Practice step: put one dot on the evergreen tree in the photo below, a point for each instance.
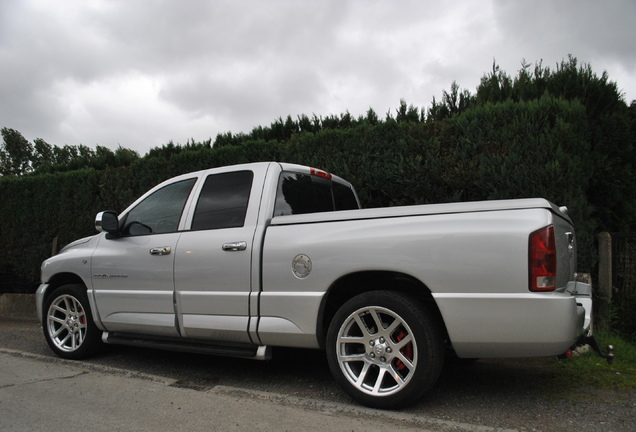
(16, 153)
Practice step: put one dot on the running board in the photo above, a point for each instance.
(255, 352)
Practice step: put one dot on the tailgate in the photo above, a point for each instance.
(566, 249)
(568, 280)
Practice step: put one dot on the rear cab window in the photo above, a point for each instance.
(300, 193)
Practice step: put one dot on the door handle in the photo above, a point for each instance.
(234, 247)
(161, 250)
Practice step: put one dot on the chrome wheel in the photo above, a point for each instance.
(66, 322)
(376, 351)
(68, 327)
(385, 348)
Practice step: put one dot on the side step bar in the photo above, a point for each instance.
(255, 352)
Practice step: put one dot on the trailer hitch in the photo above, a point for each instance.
(591, 341)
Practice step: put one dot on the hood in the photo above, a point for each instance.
(77, 243)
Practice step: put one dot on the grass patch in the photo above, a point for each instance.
(590, 369)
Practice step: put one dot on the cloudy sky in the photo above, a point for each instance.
(139, 73)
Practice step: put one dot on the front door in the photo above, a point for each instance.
(133, 275)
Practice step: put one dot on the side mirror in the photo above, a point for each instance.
(107, 221)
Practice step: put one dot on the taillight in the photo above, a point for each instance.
(542, 260)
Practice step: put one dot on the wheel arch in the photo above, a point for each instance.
(59, 280)
(69, 327)
(357, 283)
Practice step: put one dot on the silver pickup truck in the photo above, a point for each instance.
(237, 260)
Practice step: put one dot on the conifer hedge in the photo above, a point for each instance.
(516, 142)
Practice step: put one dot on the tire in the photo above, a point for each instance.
(68, 324)
(385, 349)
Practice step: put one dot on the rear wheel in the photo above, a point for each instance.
(69, 328)
(385, 349)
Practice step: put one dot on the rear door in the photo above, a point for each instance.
(216, 267)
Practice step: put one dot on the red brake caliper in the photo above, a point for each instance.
(407, 351)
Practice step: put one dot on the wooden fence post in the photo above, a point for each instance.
(604, 296)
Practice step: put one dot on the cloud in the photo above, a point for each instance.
(142, 73)
(601, 34)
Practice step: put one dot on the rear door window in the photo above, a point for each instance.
(223, 201)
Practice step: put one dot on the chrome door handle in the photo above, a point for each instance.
(161, 250)
(234, 247)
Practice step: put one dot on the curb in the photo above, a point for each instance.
(18, 306)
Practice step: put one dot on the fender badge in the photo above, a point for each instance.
(107, 276)
(301, 266)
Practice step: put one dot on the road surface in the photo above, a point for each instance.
(139, 389)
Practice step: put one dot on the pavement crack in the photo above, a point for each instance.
(43, 380)
(198, 386)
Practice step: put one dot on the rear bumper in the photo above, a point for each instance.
(516, 325)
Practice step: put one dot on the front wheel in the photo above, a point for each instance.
(69, 328)
(385, 349)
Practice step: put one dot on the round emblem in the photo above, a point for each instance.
(301, 266)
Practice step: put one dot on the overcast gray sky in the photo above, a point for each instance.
(139, 73)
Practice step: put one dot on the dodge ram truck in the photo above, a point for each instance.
(237, 260)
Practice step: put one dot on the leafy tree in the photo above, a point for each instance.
(407, 114)
(16, 153)
(305, 124)
(19, 157)
(563, 133)
(452, 103)
(43, 154)
(497, 86)
(372, 117)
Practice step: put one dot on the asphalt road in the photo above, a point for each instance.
(293, 391)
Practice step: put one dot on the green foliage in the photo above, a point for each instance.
(530, 149)
(15, 153)
(455, 102)
(590, 369)
(623, 315)
(609, 125)
(563, 134)
(38, 209)
(19, 157)
(623, 299)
